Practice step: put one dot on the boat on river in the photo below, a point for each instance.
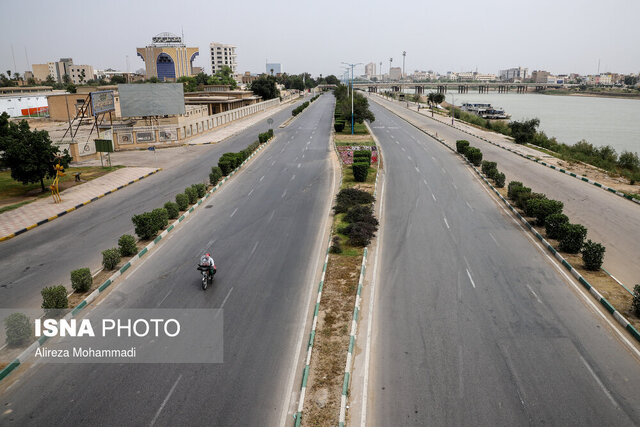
(486, 111)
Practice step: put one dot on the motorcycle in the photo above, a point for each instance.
(207, 278)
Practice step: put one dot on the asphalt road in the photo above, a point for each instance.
(46, 255)
(610, 219)
(473, 325)
(263, 228)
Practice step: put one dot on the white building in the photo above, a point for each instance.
(223, 55)
(370, 70)
(513, 74)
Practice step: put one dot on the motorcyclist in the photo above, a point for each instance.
(207, 261)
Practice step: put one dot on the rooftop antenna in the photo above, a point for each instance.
(15, 68)
(26, 55)
(182, 30)
(598, 67)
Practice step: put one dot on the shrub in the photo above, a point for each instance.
(270, 132)
(110, 258)
(490, 169)
(144, 225)
(263, 137)
(225, 166)
(338, 126)
(461, 146)
(499, 179)
(592, 255)
(362, 155)
(172, 210)
(361, 213)
(635, 305)
(81, 280)
(160, 218)
(573, 238)
(215, 175)
(531, 203)
(553, 225)
(546, 207)
(360, 233)
(192, 194)
(335, 248)
(521, 195)
(349, 197)
(127, 244)
(54, 298)
(201, 190)
(474, 155)
(360, 171)
(17, 329)
(182, 201)
(512, 188)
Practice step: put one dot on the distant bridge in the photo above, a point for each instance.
(460, 87)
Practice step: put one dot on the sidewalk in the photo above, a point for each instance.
(41, 211)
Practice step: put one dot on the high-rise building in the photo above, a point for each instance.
(539, 76)
(273, 68)
(222, 55)
(370, 70)
(167, 57)
(513, 74)
(395, 73)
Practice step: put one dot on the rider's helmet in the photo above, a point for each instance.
(207, 254)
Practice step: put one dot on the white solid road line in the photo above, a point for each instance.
(367, 356)
(470, 278)
(446, 223)
(233, 213)
(595, 377)
(164, 402)
(165, 297)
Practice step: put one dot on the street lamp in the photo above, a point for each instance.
(352, 66)
(453, 108)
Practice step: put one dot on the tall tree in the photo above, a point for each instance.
(265, 86)
(30, 155)
(523, 132)
(223, 77)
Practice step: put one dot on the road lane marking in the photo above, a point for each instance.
(233, 213)
(293, 177)
(227, 297)
(446, 223)
(417, 169)
(403, 149)
(455, 186)
(160, 303)
(443, 171)
(434, 197)
(284, 193)
(273, 163)
(299, 165)
(470, 207)
(254, 248)
(409, 157)
(261, 178)
(470, 278)
(425, 182)
(250, 192)
(534, 294)
(595, 377)
(494, 239)
(271, 216)
(164, 402)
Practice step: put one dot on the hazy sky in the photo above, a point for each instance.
(463, 35)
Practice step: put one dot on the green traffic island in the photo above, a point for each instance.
(147, 225)
(354, 225)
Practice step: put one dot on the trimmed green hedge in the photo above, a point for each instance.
(553, 225)
(18, 329)
(360, 171)
(592, 255)
(81, 280)
(573, 238)
(172, 210)
(462, 145)
(127, 245)
(54, 298)
(110, 258)
(183, 201)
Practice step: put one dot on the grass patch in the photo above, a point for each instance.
(358, 129)
(11, 190)
(14, 206)
(348, 180)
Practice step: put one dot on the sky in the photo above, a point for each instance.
(557, 36)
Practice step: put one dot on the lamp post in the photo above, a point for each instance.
(352, 66)
(453, 108)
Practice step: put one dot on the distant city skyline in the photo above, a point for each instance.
(459, 37)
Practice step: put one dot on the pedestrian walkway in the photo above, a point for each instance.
(41, 211)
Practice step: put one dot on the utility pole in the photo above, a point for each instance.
(352, 66)
(404, 54)
(390, 61)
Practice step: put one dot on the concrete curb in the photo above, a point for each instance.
(597, 184)
(78, 206)
(354, 324)
(602, 300)
(312, 335)
(26, 354)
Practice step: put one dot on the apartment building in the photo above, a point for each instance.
(223, 55)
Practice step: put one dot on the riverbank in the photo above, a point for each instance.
(634, 94)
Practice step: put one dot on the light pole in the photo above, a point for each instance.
(453, 108)
(404, 54)
(352, 66)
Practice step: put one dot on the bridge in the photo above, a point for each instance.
(461, 87)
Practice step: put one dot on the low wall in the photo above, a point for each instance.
(167, 135)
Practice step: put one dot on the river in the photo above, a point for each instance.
(600, 121)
